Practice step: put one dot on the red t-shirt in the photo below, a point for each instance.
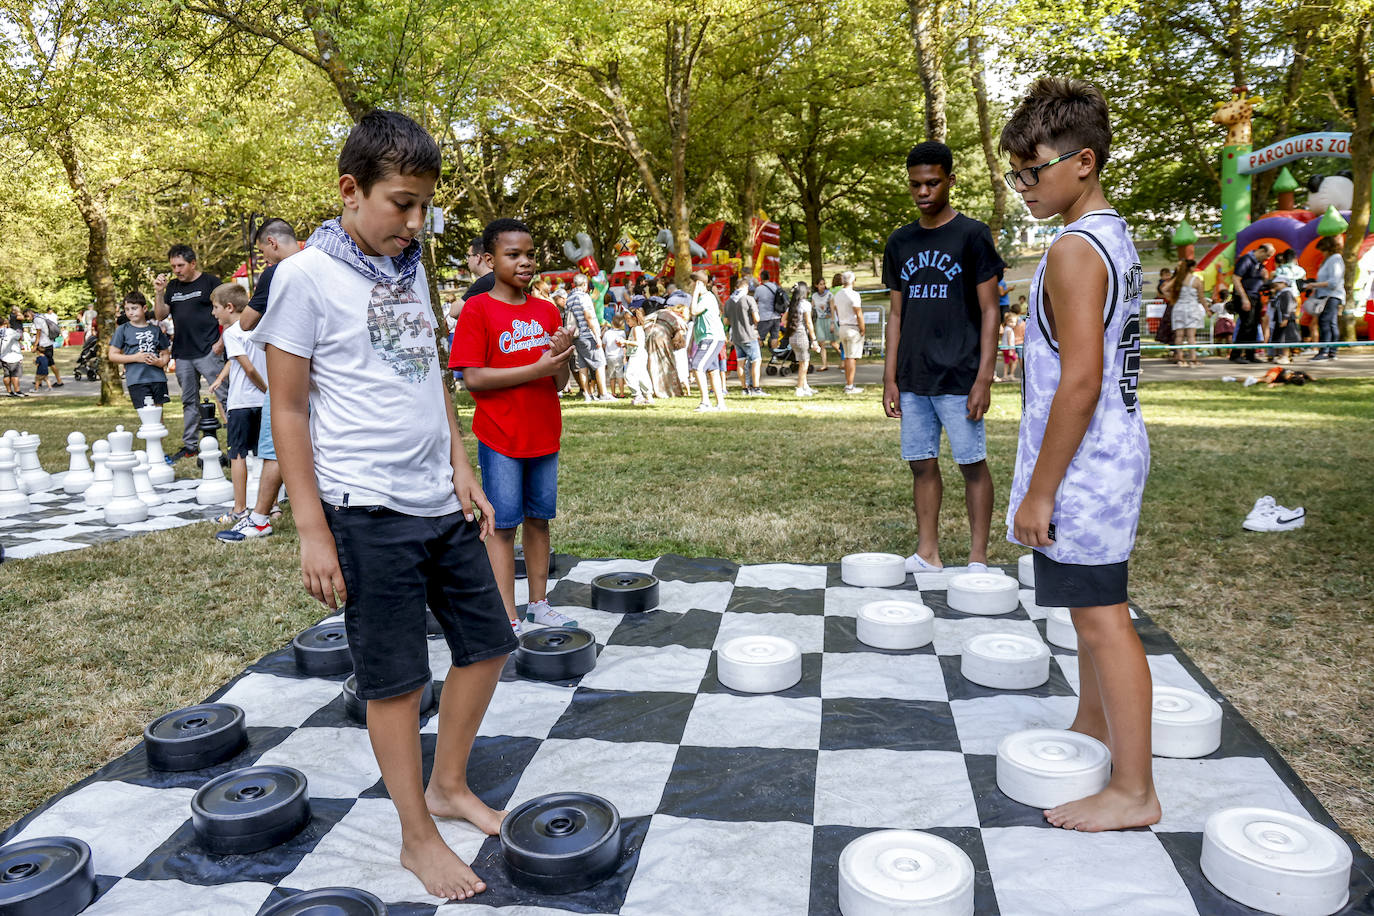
(523, 421)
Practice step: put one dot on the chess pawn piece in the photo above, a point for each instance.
(102, 482)
(213, 487)
(151, 432)
(124, 505)
(79, 475)
(142, 485)
(32, 477)
(12, 501)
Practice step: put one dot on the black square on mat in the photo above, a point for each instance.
(741, 784)
(567, 593)
(827, 843)
(841, 635)
(670, 566)
(605, 897)
(959, 687)
(133, 766)
(808, 686)
(857, 723)
(617, 716)
(751, 600)
(694, 629)
(494, 766)
(183, 857)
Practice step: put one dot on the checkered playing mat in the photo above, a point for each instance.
(731, 803)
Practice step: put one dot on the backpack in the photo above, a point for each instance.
(53, 328)
(781, 301)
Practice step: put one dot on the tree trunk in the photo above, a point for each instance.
(1361, 166)
(679, 55)
(926, 31)
(748, 206)
(1283, 119)
(980, 97)
(98, 272)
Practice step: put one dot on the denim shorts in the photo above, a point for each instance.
(394, 565)
(266, 450)
(924, 416)
(748, 352)
(519, 488)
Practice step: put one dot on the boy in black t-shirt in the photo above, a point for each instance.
(195, 337)
(941, 272)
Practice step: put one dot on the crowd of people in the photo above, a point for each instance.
(39, 333)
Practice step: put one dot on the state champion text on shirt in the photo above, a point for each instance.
(937, 260)
(523, 335)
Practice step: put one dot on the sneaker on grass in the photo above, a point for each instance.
(230, 518)
(243, 530)
(540, 612)
(1278, 518)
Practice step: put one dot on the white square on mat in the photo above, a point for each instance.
(121, 822)
(674, 595)
(669, 668)
(872, 675)
(268, 700)
(242, 898)
(521, 709)
(874, 787)
(806, 630)
(365, 846)
(600, 624)
(630, 775)
(587, 570)
(781, 575)
(950, 635)
(725, 720)
(984, 722)
(1039, 871)
(846, 600)
(691, 867)
(1165, 671)
(41, 548)
(1190, 790)
(337, 762)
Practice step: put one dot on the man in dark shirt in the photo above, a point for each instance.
(942, 274)
(195, 337)
(1247, 280)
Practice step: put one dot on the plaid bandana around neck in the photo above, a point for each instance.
(337, 243)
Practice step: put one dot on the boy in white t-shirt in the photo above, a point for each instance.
(245, 368)
(384, 498)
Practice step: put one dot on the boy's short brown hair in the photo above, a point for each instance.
(232, 295)
(1063, 114)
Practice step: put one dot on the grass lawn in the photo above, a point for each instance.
(103, 640)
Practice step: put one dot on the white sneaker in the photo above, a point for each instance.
(587, 397)
(516, 627)
(1264, 505)
(1280, 519)
(853, 389)
(540, 612)
(608, 397)
(703, 407)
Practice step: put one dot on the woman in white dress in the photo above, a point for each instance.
(1189, 314)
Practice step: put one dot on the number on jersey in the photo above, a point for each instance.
(1130, 363)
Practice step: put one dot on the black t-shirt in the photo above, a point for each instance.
(483, 284)
(1251, 274)
(938, 272)
(259, 301)
(189, 305)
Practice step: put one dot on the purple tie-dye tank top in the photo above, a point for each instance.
(1097, 506)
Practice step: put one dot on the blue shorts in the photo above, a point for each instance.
(922, 419)
(747, 352)
(519, 488)
(265, 449)
(706, 354)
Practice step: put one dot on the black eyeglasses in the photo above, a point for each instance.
(1030, 177)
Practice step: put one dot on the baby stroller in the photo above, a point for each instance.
(88, 362)
(782, 362)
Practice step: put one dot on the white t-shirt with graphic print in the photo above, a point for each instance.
(378, 416)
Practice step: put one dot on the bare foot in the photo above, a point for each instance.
(464, 804)
(1110, 809)
(441, 871)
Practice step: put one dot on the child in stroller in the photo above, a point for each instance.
(88, 362)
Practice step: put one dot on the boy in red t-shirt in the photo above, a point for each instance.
(514, 351)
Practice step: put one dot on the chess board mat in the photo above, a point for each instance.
(58, 522)
(731, 803)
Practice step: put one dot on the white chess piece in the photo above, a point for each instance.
(213, 487)
(142, 485)
(102, 482)
(32, 477)
(151, 432)
(12, 501)
(79, 476)
(124, 505)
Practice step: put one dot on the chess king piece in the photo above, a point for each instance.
(124, 506)
(213, 488)
(102, 483)
(79, 475)
(152, 432)
(12, 501)
(142, 485)
(32, 477)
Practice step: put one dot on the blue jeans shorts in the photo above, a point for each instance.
(747, 352)
(922, 419)
(519, 488)
(265, 449)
